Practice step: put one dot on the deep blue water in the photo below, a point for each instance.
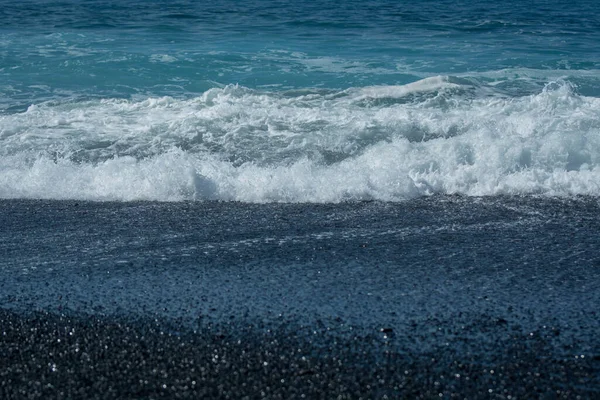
(319, 102)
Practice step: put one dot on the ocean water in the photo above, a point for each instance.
(320, 199)
(267, 101)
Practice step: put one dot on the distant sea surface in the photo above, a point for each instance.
(319, 199)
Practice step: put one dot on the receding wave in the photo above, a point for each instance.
(438, 135)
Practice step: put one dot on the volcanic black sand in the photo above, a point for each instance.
(439, 297)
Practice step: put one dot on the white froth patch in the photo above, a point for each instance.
(430, 84)
(162, 58)
(392, 172)
(243, 145)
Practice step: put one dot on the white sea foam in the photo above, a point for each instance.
(238, 144)
(162, 58)
(429, 84)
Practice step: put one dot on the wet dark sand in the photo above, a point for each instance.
(447, 297)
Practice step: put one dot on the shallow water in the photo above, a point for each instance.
(370, 264)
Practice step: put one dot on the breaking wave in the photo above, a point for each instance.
(442, 134)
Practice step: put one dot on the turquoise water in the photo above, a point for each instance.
(319, 102)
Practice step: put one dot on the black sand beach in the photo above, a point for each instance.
(443, 297)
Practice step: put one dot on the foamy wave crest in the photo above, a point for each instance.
(239, 144)
(433, 84)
